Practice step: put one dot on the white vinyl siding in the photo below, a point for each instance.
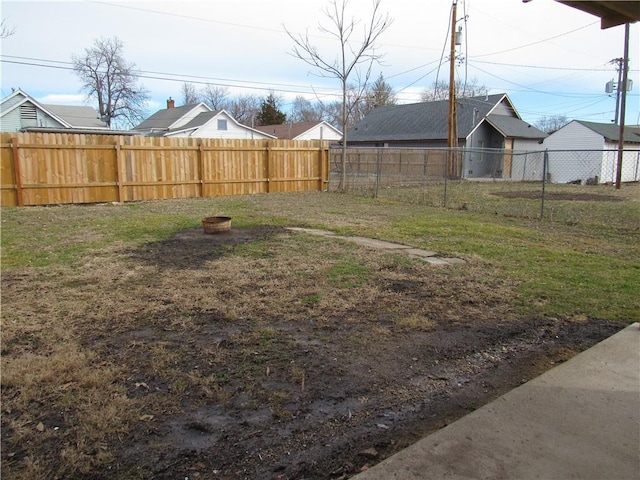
(190, 116)
(234, 130)
(574, 136)
(578, 153)
(321, 131)
(10, 122)
(26, 115)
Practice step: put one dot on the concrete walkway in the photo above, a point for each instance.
(580, 420)
(426, 255)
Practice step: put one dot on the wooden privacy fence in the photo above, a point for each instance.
(45, 169)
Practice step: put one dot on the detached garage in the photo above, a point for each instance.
(587, 152)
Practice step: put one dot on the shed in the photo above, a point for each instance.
(587, 152)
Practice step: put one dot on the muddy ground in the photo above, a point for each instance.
(319, 388)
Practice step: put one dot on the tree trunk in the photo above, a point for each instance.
(343, 159)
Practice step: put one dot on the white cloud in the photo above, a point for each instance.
(543, 54)
(62, 99)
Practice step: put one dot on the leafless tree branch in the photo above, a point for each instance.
(352, 54)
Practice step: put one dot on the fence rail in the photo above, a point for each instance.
(43, 169)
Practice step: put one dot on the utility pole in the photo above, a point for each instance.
(619, 62)
(452, 135)
(623, 101)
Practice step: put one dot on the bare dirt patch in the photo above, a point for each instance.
(567, 196)
(257, 353)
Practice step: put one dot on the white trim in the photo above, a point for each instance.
(215, 117)
(188, 112)
(320, 123)
(29, 98)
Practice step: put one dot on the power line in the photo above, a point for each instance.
(577, 69)
(231, 83)
(538, 42)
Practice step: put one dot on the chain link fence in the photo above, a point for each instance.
(528, 184)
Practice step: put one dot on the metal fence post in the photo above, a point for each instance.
(378, 170)
(545, 161)
(446, 176)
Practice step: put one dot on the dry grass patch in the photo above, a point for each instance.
(258, 353)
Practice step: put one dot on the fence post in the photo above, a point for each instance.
(119, 168)
(268, 151)
(446, 177)
(201, 166)
(545, 161)
(322, 169)
(17, 170)
(378, 170)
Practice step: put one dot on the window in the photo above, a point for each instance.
(222, 124)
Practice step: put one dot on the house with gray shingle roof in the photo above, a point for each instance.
(19, 112)
(484, 122)
(170, 118)
(319, 130)
(426, 124)
(196, 121)
(587, 152)
(217, 124)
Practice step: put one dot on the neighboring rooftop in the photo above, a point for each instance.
(164, 119)
(611, 131)
(79, 117)
(424, 121)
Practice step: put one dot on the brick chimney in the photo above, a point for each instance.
(171, 103)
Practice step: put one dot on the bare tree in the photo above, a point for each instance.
(245, 109)
(439, 90)
(109, 79)
(189, 94)
(354, 57)
(5, 29)
(215, 97)
(304, 110)
(551, 124)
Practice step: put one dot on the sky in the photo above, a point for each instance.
(548, 58)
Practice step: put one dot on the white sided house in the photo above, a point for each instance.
(171, 118)
(319, 130)
(218, 124)
(19, 112)
(587, 152)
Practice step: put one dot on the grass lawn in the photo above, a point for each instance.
(126, 331)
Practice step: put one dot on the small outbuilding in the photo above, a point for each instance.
(587, 152)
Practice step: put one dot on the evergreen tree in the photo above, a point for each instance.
(269, 113)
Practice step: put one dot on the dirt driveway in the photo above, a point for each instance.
(237, 359)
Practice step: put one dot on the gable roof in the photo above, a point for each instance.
(291, 131)
(166, 118)
(425, 121)
(77, 116)
(198, 121)
(611, 131)
(203, 118)
(514, 127)
(69, 116)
